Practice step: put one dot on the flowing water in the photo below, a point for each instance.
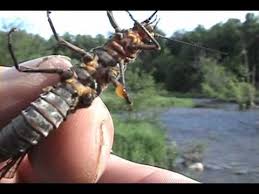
(230, 140)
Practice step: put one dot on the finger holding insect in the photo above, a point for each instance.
(97, 135)
(18, 89)
(77, 152)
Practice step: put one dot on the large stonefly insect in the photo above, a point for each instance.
(78, 87)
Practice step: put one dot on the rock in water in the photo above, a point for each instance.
(197, 167)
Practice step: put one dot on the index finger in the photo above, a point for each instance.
(18, 89)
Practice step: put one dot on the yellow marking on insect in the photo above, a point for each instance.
(90, 69)
(135, 38)
(80, 88)
(120, 91)
(91, 65)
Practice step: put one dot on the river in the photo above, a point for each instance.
(230, 139)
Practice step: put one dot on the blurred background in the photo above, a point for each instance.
(195, 112)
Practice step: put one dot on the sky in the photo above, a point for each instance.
(96, 22)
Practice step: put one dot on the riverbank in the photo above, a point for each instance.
(145, 101)
(139, 134)
(222, 136)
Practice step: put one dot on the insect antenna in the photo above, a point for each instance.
(113, 22)
(10, 47)
(131, 16)
(154, 20)
(155, 26)
(150, 17)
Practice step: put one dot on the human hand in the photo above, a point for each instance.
(79, 150)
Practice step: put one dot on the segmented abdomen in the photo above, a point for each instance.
(35, 122)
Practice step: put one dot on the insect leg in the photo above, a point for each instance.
(9, 170)
(122, 73)
(113, 22)
(119, 87)
(66, 73)
(86, 55)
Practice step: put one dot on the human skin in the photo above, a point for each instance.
(79, 150)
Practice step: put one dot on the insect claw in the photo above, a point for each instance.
(129, 101)
(12, 30)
